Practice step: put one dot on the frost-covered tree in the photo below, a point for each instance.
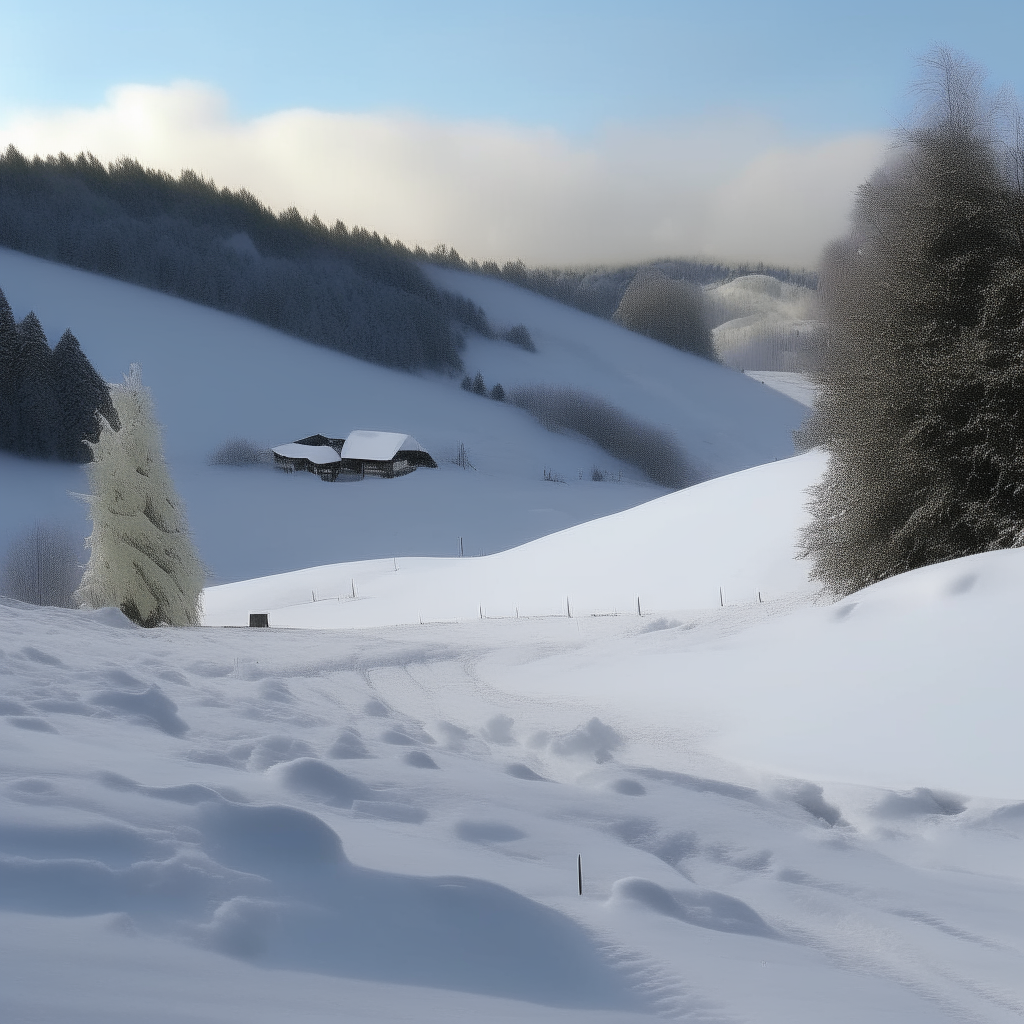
(921, 375)
(142, 559)
(672, 312)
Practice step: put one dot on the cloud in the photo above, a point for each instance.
(730, 188)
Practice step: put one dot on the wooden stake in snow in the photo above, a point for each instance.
(579, 870)
(461, 552)
(721, 597)
(568, 610)
(639, 613)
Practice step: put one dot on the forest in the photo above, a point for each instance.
(49, 398)
(352, 291)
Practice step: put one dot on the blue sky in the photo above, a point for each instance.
(816, 67)
(718, 81)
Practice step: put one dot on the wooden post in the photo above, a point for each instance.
(579, 871)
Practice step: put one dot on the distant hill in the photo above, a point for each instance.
(762, 323)
(352, 291)
(682, 303)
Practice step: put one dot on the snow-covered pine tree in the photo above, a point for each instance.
(142, 559)
(79, 392)
(921, 383)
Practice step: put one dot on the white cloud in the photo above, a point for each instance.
(730, 189)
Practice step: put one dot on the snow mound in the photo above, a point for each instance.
(730, 540)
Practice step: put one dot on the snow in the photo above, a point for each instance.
(727, 540)
(797, 386)
(722, 426)
(778, 818)
(788, 811)
(378, 445)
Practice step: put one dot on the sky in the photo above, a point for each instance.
(553, 132)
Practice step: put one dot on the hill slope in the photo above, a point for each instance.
(783, 816)
(723, 426)
(216, 376)
(728, 540)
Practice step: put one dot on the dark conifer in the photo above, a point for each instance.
(479, 387)
(36, 411)
(8, 347)
(79, 392)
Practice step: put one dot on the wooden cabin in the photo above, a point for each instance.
(362, 453)
(316, 454)
(380, 453)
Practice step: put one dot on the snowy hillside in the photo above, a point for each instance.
(785, 815)
(215, 377)
(722, 427)
(785, 811)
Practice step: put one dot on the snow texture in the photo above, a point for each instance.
(786, 811)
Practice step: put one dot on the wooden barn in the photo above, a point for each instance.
(362, 453)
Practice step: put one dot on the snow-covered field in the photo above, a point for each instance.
(787, 812)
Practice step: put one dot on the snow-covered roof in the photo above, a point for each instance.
(318, 454)
(378, 445)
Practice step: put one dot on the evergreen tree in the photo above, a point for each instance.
(479, 387)
(8, 347)
(80, 393)
(921, 382)
(142, 559)
(34, 405)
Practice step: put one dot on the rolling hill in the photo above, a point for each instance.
(216, 376)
